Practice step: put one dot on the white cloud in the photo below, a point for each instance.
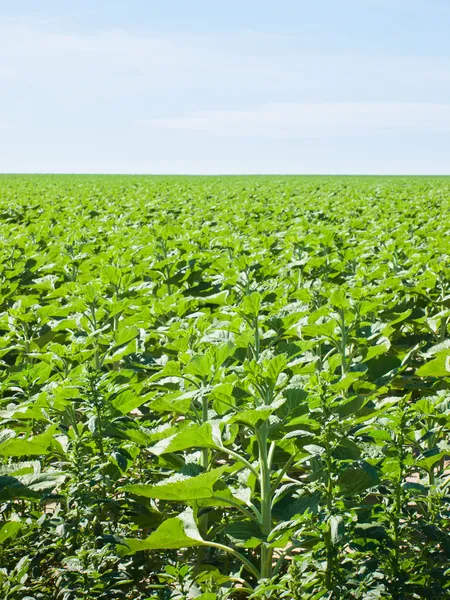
(312, 120)
(104, 100)
(29, 47)
(248, 63)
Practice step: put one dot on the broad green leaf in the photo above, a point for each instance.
(193, 436)
(24, 412)
(357, 477)
(176, 402)
(438, 367)
(244, 534)
(201, 366)
(252, 417)
(29, 486)
(179, 487)
(130, 399)
(178, 532)
(251, 304)
(324, 330)
(377, 350)
(431, 459)
(35, 446)
(338, 299)
(9, 530)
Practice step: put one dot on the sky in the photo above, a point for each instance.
(218, 87)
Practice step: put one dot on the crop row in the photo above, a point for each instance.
(224, 388)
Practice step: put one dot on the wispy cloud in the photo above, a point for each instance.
(282, 120)
(96, 99)
(70, 16)
(38, 21)
(231, 67)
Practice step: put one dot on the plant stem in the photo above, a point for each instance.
(241, 459)
(282, 473)
(205, 451)
(343, 344)
(443, 327)
(204, 462)
(398, 496)
(330, 551)
(94, 323)
(244, 560)
(431, 443)
(266, 501)
(257, 339)
(100, 432)
(243, 510)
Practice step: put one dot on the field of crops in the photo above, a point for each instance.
(224, 388)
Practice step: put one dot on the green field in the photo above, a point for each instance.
(224, 387)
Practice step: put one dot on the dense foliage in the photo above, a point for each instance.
(224, 388)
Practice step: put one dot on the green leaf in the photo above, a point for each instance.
(179, 487)
(433, 457)
(176, 402)
(290, 505)
(218, 299)
(24, 412)
(273, 367)
(377, 350)
(338, 299)
(337, 529)
(438, 367)
(9, 530)
(347, 381)
(35, 446)
(201, 366)
(244, 534)
(128, 431)
(371, 531)
(29, 486)
(347, 450)
(124, 336)
(357, 477)
(324, 330)
(193, 436)
(178, 532)
(251, 304)
(130, 399)
(345, 407)
(254, 417)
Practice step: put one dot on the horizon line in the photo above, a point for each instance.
(140, 174)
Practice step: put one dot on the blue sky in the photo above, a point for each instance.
(215, 86)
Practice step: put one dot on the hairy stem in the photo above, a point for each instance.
(266, 501)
